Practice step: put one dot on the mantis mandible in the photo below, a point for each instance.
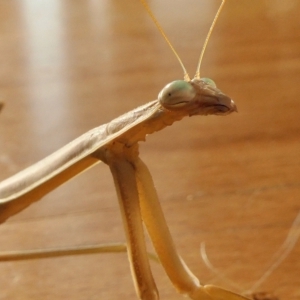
(116, 144)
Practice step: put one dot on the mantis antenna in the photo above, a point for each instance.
(186, 75)
(197, 75)
(144, 2)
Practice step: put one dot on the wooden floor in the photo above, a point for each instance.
(230, 182)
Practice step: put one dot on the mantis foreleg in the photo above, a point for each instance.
(124, 178)
(180, 275)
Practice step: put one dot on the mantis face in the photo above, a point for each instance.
(196, 97)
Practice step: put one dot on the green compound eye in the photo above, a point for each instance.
(176, 94)
(209, 82)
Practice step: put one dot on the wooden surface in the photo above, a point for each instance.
(231, 182)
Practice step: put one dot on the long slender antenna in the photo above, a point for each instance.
(144, 2)
(197, 75)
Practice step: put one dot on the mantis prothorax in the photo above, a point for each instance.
(116, 144)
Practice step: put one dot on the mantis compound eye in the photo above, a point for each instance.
(176, 94)
(209, 82)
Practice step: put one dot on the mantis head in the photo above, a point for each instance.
(196, 97)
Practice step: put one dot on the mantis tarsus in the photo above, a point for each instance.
(116, 144)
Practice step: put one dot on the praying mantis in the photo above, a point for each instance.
(116, 144)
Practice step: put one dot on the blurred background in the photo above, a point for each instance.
(229, 183)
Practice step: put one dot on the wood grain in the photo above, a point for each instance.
(233, 182)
